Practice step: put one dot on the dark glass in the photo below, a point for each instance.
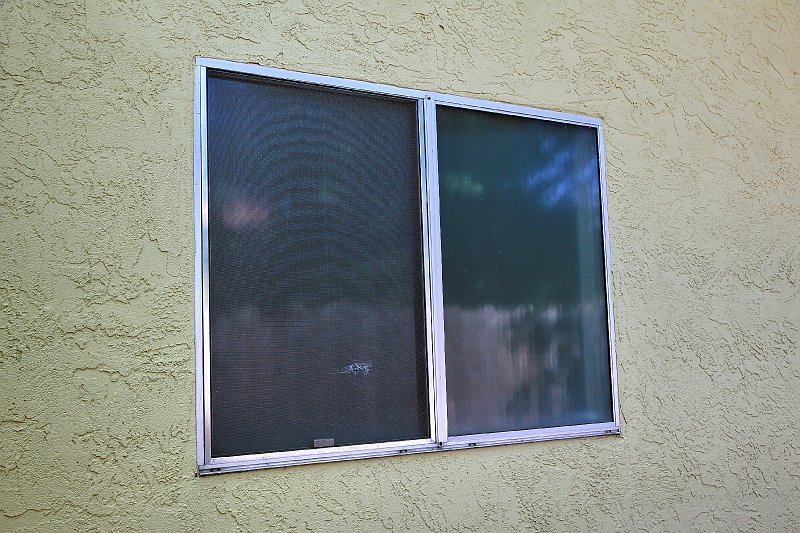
(316, 297)
(525, 316)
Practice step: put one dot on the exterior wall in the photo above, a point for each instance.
(700, 103)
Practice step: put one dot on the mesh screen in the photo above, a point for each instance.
(525, 317)
(315, 272)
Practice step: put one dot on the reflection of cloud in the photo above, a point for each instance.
(461, 184)
(244, 215)
(563, 178)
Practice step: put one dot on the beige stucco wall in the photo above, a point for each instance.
(701, 103)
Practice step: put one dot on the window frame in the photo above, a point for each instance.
(432, 272)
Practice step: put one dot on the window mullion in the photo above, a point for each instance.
(426, 265)
(436, 314)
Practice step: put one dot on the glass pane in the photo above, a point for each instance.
(315, 287)
(525, 316)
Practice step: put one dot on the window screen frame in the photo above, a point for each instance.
(438, 440)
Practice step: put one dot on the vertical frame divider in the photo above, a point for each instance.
(435, 245)
(426, 267)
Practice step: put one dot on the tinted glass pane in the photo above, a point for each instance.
(526, 335)
(316, 296)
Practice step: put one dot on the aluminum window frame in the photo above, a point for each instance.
(432, 273)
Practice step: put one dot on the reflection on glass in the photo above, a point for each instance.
(526, 335)
(315, 288)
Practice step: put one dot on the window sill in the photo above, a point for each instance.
(366, 451)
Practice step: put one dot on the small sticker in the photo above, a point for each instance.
(323, 443)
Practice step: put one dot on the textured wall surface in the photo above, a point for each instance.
(700, 103)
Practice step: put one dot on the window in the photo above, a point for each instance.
(384, 271)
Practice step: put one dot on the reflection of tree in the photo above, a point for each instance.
(522, 368)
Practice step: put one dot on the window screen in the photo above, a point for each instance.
(315, 296)
(525, 321)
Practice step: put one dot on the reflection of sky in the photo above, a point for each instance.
(520, 209)
(549, 162)
(565, 178)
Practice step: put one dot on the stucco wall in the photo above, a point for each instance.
(700, 102)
